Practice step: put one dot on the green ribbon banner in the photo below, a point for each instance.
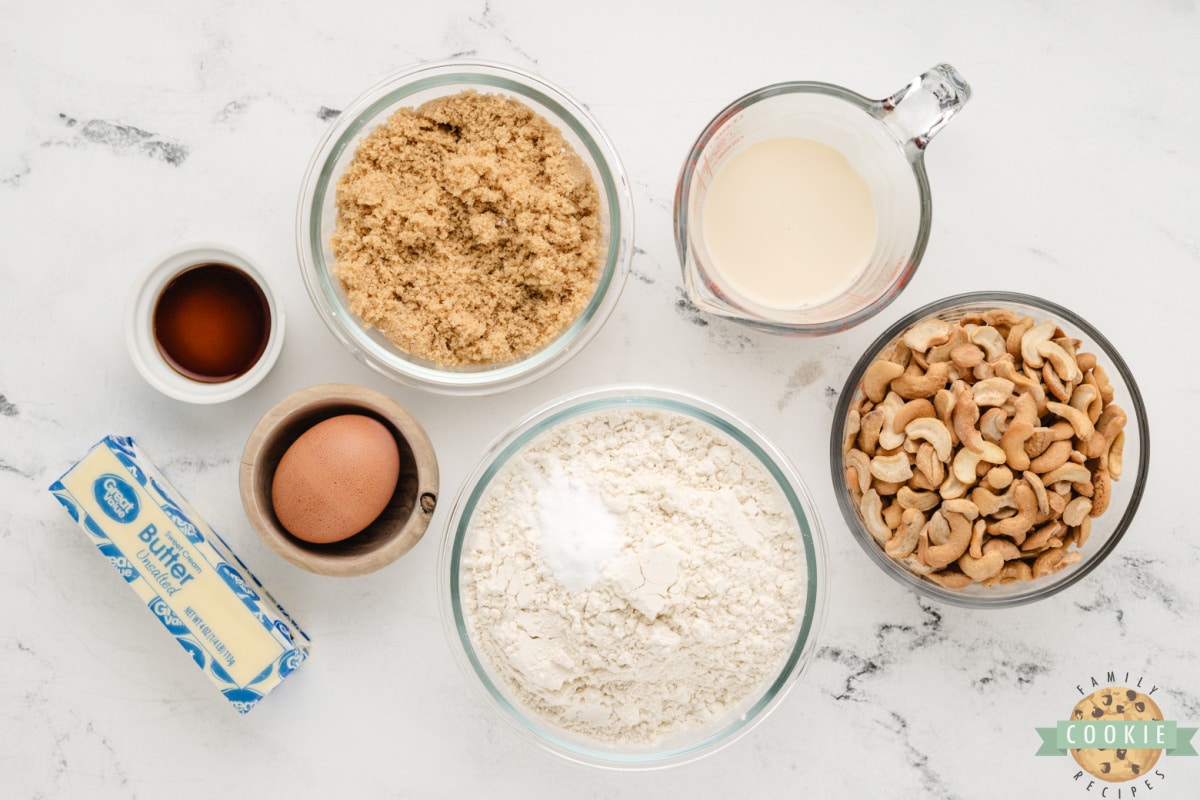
(1126, 734)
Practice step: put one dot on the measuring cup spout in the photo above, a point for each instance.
(922, 108)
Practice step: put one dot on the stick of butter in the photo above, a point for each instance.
(183, 571)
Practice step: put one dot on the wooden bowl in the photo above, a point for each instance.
(394, 532)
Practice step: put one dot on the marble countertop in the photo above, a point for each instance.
(130, 128)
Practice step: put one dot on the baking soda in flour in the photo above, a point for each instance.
(631, 574)
(788, 222)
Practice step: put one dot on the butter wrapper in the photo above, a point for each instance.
(183, 571)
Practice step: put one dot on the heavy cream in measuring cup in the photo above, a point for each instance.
(788, 222)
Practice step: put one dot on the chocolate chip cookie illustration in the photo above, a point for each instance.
(1116, 764)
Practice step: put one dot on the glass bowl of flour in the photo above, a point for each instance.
(633, 577)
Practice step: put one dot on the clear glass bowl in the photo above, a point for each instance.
(317, 215)
(688, 745)
(1106, 530)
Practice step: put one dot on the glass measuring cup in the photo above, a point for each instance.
(884, 142)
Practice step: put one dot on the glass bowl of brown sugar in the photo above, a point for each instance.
(465, 227)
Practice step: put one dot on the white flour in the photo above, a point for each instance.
(668, 596)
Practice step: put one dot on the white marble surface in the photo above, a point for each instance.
(130, 127)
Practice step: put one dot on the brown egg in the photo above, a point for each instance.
(336, 478)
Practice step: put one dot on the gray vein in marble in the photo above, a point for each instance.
(1146, 582)
(325, 113)
(1184, 706)
(890, 639)
(121, 138)
(232, 109)
(15, 178)
(1105, 603)
(637, 274)
(6, 467)
(1008, 671)
(192, 464)
(488, 21)
(932, 783)
(7, 409)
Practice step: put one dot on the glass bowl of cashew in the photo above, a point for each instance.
(990, 449)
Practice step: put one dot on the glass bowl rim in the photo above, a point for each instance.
(366, 110)
(527, 429)
(979, 299)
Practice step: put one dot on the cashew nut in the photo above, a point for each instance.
(1083, 532)
(1012, 342)
(978, 529)
(1022, 521)
(992, 391)
(1052, 458)
(998, 478)
(966, 356)
(1023, 383)
(861, 464)
(1004, 547)
(1069, 472)
(1053, 561)
(1042, 536)
(927, 333)
(1076, 511)
(1041, 332)
(1102, 492)
(930, 470)
(905, 539)
(1062, 361)
(933, 431)
(912, 410)
(1039, 491)
(914, 383)
(941, 352)
(871, 508)
(894, 468)
(952, 487)
(1061, 391)
(937, 530)
(989, 503)
(1019, 430)
(981, 568)
(942, 555)
(1116, 455)
(966, 462)
(1111, 421)
(966, 414)
(877, 377)
(990, 340)
(1001, 317)
(869, 428)
(850, 432)
(1095, 446)
(922, 501)
(1086, 398)
(950, 579)
(961, 505)
(992, 424)
(1078, 419)
(1102, 383)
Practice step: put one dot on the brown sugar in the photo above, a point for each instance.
(468, 230)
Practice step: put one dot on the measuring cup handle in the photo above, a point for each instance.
(922, 108)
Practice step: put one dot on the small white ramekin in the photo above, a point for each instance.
(139, 325)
